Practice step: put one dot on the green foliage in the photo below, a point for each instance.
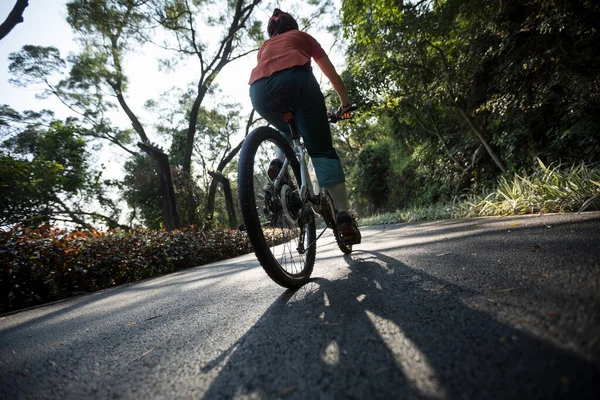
(370, 175)
(82, 89)
(410, 67)
(33, 64)
(448, 210)
(451, 81)
(402, 171)
(108, 18)
(555, 188)
(543, 81)
(44, 172)
(143, 195)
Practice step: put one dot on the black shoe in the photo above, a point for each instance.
(275, 168)
(348, 228)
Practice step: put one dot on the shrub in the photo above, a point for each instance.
(370, 174)
(47, 264)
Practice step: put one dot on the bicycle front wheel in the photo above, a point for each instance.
(280, 226)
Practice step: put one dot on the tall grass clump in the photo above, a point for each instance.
(549, 189)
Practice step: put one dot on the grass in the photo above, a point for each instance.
(436, 211)
(549, 189)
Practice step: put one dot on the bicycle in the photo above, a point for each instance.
(279, 214)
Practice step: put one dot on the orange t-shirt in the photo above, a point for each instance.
(283, 51)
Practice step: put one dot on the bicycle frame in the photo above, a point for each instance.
(306, 191)
(307, 194)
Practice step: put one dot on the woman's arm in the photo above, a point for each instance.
(338, 85)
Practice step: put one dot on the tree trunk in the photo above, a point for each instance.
(190, 203)
(219, 178)
(161, 160)
(229, 202)
(479, 133)
(435, 131)
(209, 223)
(210, 205)
(163, 169)
(222, 58)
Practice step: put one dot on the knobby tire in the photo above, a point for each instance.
(250, 212)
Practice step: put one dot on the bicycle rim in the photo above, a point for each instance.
(278, 224)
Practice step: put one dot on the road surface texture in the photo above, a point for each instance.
(487, 308)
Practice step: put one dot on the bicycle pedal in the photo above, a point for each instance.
(352, 240)
(350, 235)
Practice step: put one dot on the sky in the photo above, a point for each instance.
(45, 25)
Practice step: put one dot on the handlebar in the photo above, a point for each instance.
(334, 116)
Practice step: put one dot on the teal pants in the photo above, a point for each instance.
(301, 92)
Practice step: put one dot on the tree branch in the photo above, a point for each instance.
(193, 38)
(14, 18)
(112, 223)
(221, 59)
(118, 88)
(237, 57)
(74, 217)
(442, 55)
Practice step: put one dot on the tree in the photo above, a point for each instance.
(190, 29)
(213, 148)
(420, 53)
(542, 80)
(461, 80)
(78, 82)
(372, 170)
(110, 27)
(45, 176)
(14, 18)
(143, 195)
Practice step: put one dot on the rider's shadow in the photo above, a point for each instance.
(389, 331)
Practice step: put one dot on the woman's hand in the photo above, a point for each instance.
(344, 111)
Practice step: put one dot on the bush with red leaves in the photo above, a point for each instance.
(46, 264)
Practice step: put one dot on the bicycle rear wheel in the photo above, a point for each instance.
(280, 227)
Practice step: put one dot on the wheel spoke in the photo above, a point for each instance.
(274, 223)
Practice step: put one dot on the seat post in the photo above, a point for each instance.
(288, 117)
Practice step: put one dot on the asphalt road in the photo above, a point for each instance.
(493, 308)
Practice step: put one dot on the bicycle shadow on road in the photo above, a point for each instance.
(389, 331)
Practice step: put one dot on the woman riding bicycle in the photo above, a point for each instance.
(283, 79)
